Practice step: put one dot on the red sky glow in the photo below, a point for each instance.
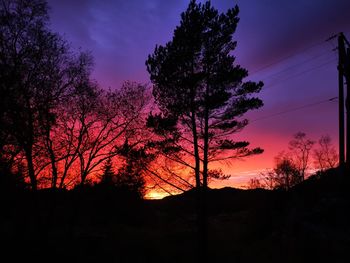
(280, 42)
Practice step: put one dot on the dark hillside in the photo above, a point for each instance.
(309, 223)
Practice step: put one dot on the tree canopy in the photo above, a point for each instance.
(200, 90)
(57, 126)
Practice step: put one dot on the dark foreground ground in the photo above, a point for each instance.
(311, 223)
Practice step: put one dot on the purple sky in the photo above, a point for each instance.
(120, 34)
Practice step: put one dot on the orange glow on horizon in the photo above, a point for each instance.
(152, 195)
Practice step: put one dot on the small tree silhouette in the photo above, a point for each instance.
(300, 147)
(108, 175)
(130, 176)
(284, 175)
(325, 156)
(254, 183)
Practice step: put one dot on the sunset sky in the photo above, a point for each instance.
(280, 42)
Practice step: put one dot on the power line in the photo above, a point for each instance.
(294, 76)
(295, 65)
(301, 73)
(287, 57)
(295, 109)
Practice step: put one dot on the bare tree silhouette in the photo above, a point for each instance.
(325, 156)
(37, 70)
(301, 147)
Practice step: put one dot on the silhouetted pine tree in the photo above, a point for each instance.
(130, 176)
(197, 83)
(108, 174)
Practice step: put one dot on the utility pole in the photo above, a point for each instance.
(341, 54)
(347, 103)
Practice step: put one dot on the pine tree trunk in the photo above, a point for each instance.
(201, 232)
(204, 189)
(206, 139)
(196, 151)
